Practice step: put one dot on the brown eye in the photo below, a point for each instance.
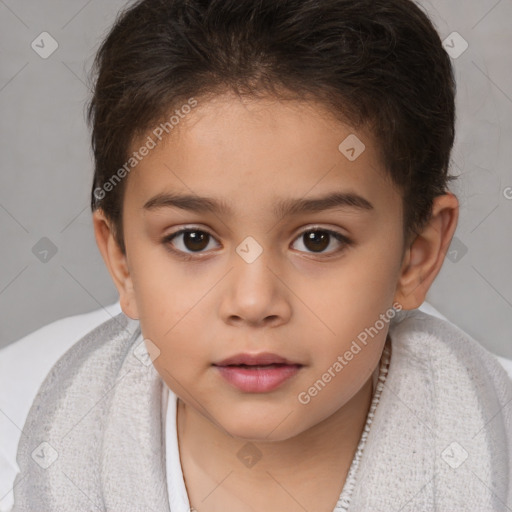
(190, 241)
(193, 240)
(317, 240)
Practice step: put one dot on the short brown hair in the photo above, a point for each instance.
(375, 63)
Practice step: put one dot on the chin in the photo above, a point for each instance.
(254, 428)
(260, 435)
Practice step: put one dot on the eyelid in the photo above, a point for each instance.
(340, 237)
(317, 227)
(344, 240)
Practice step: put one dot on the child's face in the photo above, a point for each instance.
(305, 300)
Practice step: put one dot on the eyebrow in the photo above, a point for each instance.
(283, 208)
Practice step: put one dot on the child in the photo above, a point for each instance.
(270, 198)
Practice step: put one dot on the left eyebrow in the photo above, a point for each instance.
(283, 208)
(347, 200)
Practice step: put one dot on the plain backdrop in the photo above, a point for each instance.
(50, 266)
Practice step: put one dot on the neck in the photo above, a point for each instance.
(320, 456)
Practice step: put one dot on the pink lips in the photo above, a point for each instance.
(257, 373)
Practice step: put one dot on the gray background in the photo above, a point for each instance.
(46, 168)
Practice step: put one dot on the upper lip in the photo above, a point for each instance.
(254, 359)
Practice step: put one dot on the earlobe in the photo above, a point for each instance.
(425, 255)
(116, 262)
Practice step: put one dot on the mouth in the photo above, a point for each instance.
(261, 359)
(256, 366)
(258, 373)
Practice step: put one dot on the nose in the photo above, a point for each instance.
(254, 294)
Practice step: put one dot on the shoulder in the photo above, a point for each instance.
(24, 365)
(431, 322)
(504, 362)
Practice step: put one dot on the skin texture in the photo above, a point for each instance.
(304, 305)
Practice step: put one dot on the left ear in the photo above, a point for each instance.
(424, 257)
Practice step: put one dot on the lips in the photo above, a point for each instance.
(263, 359)
(257, 373)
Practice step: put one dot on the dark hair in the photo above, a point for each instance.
(373, 63)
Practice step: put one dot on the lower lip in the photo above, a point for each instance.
(257, 380)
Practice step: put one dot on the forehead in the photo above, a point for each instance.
(250, 154)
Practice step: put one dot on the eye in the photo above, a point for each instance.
(317, 240)
(189, 239)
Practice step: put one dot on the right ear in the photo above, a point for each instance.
(116, 262)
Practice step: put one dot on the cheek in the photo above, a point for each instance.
(182, 359)
(332, 390)
(344, 363)
(177, 363)
(369, 286)
(353, 297)
(163, 293)
(356, 310)
(169, 305)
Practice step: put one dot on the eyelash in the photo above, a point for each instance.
(345, 241)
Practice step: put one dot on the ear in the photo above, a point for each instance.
(116, 262)
(424, 257)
